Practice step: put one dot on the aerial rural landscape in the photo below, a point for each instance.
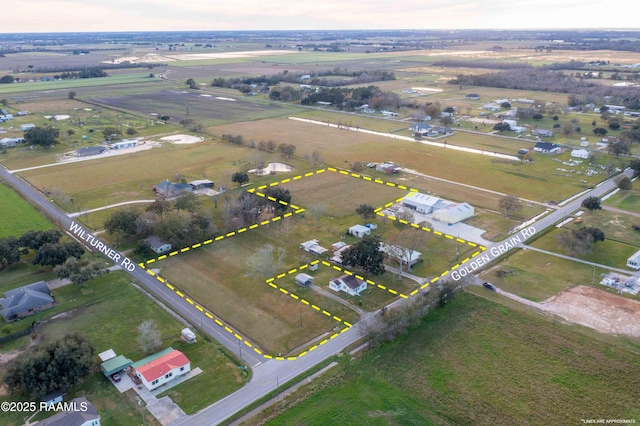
(348, 227)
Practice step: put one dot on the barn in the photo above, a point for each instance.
(454, 213)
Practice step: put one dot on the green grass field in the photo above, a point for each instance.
(476, 362)
(133, 78)
(102, 312)
(17, 215)
(625, 200)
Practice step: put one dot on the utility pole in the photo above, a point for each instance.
(240, 350)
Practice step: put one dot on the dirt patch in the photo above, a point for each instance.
(597, 309)
(272, 167)
(182, 139)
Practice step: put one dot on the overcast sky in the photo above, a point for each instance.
(167, 15)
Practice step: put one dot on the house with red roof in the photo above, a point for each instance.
(162, 367)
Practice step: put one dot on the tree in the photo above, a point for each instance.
(266, 261)
(401, 246)
(405, 216)
(580, 242)
(165, 118)
(600, 131)
(510, 205)
(366, 211)
(505, 105)
(42, 136)
(635, 165)
(317, 211)
(131, 131)
(63, 362)
(110, 133)
(53, 254)
(357, 166)
(502, 127)
(79, 271)
(6, 79)
(287, 149)
(316, 157)
(191, 83)
(146, 223)
(624, 183)
(537, 116)
(149, 337)
(365, 254)
(71, 95)
(122, 221)
(614, 125)
(592, 203)
(280, 194)
(188, 202)
(159, 206)
(619, 147)
(33, 240)
(240, 178)
(9, 251)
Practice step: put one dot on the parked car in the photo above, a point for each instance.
(489, 286)
(116, 377)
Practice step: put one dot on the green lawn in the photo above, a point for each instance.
(625, 200)
(476, 362)
(133, 78)
(17, 215)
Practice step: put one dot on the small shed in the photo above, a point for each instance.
(304, 280)
(187, 335)
(359, 231)
(580, 153)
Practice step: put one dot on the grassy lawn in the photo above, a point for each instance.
(524, 370)
(102, 312)
(133, 78)
(617, 226)
(625, 200)
(537, 276)
(607, 252)
(495, 224)
(17, 215)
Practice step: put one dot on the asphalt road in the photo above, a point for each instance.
(268, 375)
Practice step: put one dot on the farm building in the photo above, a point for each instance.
(634, 260)
(81, 412)
(423, 203)
(162, 367)
(546, 147)
(408, 257)
(25, 127)
(88, 151)
(115, 365)
(170, 189)
(543, 133)
(24, 301)
(349, 284)
(201, 184)
(304, 280)
(313, 247)
(10, 142)
(387, 167)
(157, 245)
(491, 107)
(580, 153)
(454, 213)
(125, 143)
(359, 231)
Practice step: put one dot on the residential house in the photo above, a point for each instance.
(162, 367)
(546, 147)
(491, 107)
(25, 127)
(580, 153)
(387, 167)
(27, 300)
(389, 113)
(125, 143)
(10, 142)
(421, 129)
(169, 189)
(88, 151)
(359, 231)
(634, 260)
(408, 257)
(542, 133)
(423, 203)
(78, 412)
(157, 245)
(304, 280)
(441, 130)
(454, 213)
(313, 247)
(349, 284)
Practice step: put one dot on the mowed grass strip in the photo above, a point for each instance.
(17, 216)
(478, 362)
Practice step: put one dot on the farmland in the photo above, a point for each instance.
(534, 370)
(17, 215)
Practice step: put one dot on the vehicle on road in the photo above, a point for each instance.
(489, 286)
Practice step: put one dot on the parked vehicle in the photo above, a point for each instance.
(489, 286)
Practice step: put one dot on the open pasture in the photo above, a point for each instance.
(17, 216)
(133, 78)
(206, 108)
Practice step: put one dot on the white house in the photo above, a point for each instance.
(423, 203)
(125, 143)
(491, 107)
(580, 153)
(157, 245)
(349, 284)
(511, 123)
(408, 257)
(359, 231)
(313, 247)
(454, 213)
(25, 127)
(158, 369)
(634, 260)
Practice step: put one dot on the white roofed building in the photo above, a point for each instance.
(423, 203)
(454, 213)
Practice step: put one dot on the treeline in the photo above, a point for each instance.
(49, 251)
(72, 68)
(543, 80)
(492, 65)
(85, 73)
(177, 222)
(286, 149)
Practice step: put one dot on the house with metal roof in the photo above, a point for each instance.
(157, 245)
(546, 147)
(88, 151)
(634, 260)
(162, 367)
(78, 412)
(454, 213)
(349, 284)
(169, 189)
(24, 301)
(423, 203)
(359, 231)
(115, 365)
